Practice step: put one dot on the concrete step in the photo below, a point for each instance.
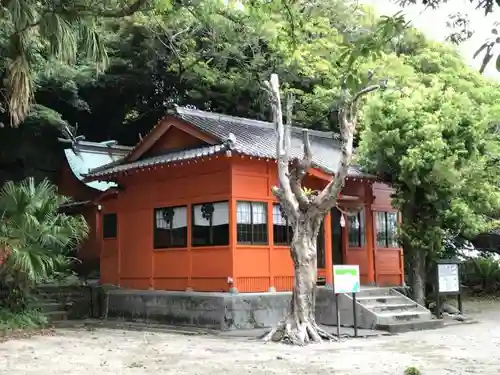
(383, 299)
(55, 316)
(405, 316)
(47, 307)
(373, 291)
(417, 325)
(394, 308)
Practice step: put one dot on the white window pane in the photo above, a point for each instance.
(278, 219)
(220, 214)
(244, 213)
(180, 218)
(259, 213)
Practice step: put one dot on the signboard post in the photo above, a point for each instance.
(447, 282)
(346, 280)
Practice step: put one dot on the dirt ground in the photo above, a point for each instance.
(464, 349)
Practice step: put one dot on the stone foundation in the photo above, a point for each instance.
(222, 311)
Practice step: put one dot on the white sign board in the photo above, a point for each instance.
(346, 279)
(448, 278)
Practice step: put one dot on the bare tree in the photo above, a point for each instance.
(305, 212)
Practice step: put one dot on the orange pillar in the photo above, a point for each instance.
(328, 250)
(189, 218)
(232, 242)
(271, 244)
(370, 224)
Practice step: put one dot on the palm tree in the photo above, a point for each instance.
(40, 31)
(35, 237)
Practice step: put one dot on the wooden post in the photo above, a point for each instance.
(370, 239)
(328, 250)
(232, 242)
(270, 232)
(189, 233)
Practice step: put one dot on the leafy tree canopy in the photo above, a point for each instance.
(435, 139)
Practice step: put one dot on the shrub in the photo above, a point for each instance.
(481, 275)
(25, 320)
(412, 371)
(35, 239)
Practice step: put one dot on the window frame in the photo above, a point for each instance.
(289, 231)
(193, 207)
(361, 235)
(252, 241)
(388, 240)
(155, 228)
(104, 235)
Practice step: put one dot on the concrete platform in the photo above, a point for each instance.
(244, 334)
(377, 309)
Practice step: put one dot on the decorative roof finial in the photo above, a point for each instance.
(230, 144)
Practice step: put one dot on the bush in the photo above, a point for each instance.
(412, 371)
(35, 239)
(28, 319)
(481, 275)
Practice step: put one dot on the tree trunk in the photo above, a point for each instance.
(300, 326)
(418, 276)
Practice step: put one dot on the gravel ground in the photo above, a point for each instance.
(464, 349)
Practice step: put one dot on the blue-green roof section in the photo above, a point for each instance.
(82, 156)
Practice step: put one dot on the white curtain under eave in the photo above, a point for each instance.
(220, 215)
(179, 220)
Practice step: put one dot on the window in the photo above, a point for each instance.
(386, 223)
(282, 230)
(109, 226)
(170, 228)
(251, 222)
(210, 224)
(356, 228)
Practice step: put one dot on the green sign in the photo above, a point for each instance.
(346, 279)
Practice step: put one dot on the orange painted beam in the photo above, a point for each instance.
(320, 174)
(370, 237)
(328, 250)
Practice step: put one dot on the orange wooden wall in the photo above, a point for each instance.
(70, 186)
(138, 265)
(389, 263)
(131, 261)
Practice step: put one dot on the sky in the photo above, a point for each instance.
(433, 24)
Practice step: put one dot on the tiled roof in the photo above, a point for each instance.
(160, 159)
(253, 138)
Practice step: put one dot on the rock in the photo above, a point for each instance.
(450, 309)
(445, 307)
(460, 318)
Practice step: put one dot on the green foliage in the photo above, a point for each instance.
(412, 371)
(35, 239)
(26, 320)
(481, 275)
(433, 138)
(35, 34)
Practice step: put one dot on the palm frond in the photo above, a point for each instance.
(35, 236)
(60, 36)
(93, 46)
(19, 81)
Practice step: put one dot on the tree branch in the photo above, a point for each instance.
(300, 170)
(348, 121)
(284, 191)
